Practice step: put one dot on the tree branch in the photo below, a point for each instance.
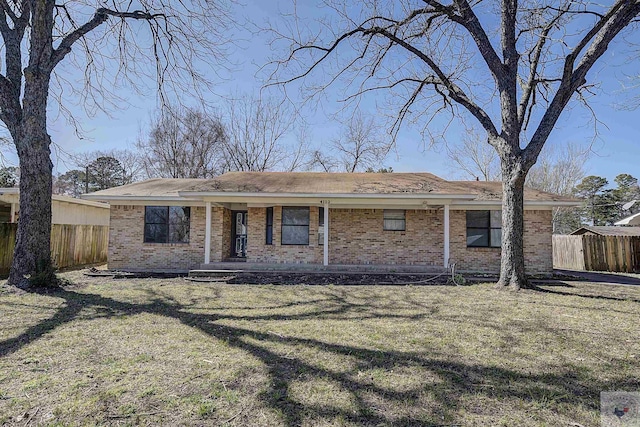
(619, 16)
(455, 92)
(469, 20)
(534, 63)
(4, 6)
(10, 110)
(101, 16)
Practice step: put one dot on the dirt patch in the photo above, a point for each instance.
(330, 279)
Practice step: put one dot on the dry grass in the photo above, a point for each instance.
(149, 351)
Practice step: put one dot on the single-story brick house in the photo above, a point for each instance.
(400, 219)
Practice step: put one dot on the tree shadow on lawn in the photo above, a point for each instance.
(543, 287)
(455, 380)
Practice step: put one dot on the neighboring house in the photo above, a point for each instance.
(415, 219)
(64, 210)
(630, 220)
(607, 230)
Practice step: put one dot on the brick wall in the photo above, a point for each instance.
(220, 234)
(127, 250)
(258, 251)
(356, 236)
(537, 245)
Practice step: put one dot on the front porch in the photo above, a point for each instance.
(332, 235)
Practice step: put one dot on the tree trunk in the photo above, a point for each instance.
(512, 271)
(32, 255)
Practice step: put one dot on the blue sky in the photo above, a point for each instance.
(615, 150)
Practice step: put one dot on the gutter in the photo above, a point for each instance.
(453, 199)
(189, 194)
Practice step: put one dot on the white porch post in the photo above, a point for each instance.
(326, 232)
(207, 234)
(446, 236)
(13, 213)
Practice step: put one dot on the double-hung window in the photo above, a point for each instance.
(484, 229)
(394, 220)
(295, 225)
(166, 224)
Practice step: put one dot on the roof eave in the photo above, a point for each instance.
(453, 199)
(627, 220)
(553, 203)
(123, 198)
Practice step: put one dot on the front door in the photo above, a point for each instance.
(239, 234)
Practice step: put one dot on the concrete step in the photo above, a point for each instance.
(214, 273)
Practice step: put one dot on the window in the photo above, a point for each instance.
(321, 226)
(166, 224)
(269, 237)
(484, 229)
(394, 220)
(295, 226)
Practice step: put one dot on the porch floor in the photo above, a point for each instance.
(248, 267)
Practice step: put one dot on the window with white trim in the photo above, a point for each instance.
(394, 220)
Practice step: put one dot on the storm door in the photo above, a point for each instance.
(239, 234)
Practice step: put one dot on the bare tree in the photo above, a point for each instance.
(558, 170)
(258, 130)
(514, 75)
(361, 146)
(325, 162)
(6, 147)
(111, 44)
(184, 143)
(130, 161)
(474, 157)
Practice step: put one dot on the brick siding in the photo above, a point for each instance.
(356, 236)
(259, 251)
(537, 245)
(127, 250)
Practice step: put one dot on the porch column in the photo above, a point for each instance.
(446, 236)
(13, 213)
(207, 234)
(326, 232)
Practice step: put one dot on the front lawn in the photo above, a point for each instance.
(167, 351)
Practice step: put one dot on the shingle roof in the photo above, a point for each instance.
(608, 230)
(156, 187)
(322, 183)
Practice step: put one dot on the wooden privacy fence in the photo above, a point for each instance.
(71, 245)
(597, 253)
(7, 243)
